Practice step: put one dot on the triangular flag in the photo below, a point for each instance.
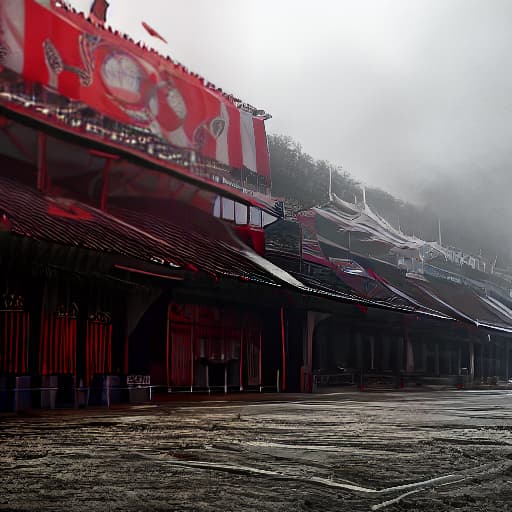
(99, 10)
(152, 32)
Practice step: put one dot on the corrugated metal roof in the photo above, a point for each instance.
(32, 214)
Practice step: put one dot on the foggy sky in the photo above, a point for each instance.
(413, 96)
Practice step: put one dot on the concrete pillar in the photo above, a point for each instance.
(459, 357)
(495, 359)
(409, 356)
(424, 359)
(359, 349)
(308, 351)
(507, 355)
(358, 340)
(372, 352)
(400, 354)
(471, 362)
(482, 369)
(490, 360)
(436, 359)
(386, 365)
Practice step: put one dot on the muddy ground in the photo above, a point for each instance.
(434, 451)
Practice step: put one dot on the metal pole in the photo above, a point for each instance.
(192, 358)
(241, 357)
(283, 349)
(42, 164)
(260, 361)
(330, 183)
(167, 349)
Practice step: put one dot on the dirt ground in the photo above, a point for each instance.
(434, 451)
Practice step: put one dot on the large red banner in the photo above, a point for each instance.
(130, 84)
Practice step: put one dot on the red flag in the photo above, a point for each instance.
(152, 32)
(99, 10)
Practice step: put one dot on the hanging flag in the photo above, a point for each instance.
(99, 10)
(152, 32)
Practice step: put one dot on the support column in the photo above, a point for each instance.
(471, 365)
(496, 359)
(436, 359)
(400, 354)
(42, 163)
(192, 358)
(459, 358)
(167, 350)
(385, 353)
(481, 361)
(507, 355)
(409, 356)
(372, 352)
(409, 353)
(359, 349)
(283, 351)
(308, 363)
(260, 357)
(359, 356)
(241, 369)
(490, 360)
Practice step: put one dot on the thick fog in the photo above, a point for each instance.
(411, 96)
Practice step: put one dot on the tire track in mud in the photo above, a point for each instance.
(265, 458)
(487, 471)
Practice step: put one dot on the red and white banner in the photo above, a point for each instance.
(85, 62)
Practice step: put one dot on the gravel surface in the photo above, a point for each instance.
(438, 451)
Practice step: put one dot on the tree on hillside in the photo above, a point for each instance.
(304, 182)
(297, 176)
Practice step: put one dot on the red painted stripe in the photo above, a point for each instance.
(49, 360)
(101, 351)
(6, 345)
(17, 339)
(241, 356)
(57, 346)
(262, 156)
(24, 321)
(110, 348)
(11, 341)
(87, 363)
(95, 347)
(73, 346)
(43, 346)
(65, 346)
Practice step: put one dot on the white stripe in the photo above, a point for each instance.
(248, 142)
(222, 152)
(12, 16)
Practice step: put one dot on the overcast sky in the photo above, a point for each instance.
(399, 92)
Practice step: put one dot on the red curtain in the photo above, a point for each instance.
(203, 332)
(252, 355)
(98, 349)
(14, 333)
(181, 373)
(57, 346)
